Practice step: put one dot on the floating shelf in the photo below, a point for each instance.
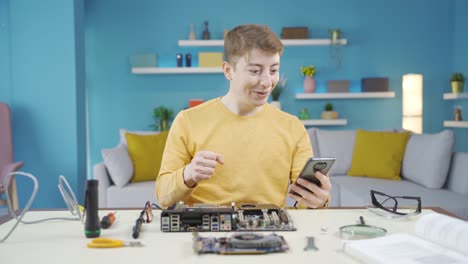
(453, 96)
(286, 42)
(325, 122)
(450, 123)
(181, 70)
(202, 43)
(362, 95)
(312, 42)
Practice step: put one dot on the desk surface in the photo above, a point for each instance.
(64, 241)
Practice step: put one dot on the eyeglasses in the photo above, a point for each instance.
(394, 206)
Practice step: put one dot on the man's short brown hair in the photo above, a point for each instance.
(243, 39)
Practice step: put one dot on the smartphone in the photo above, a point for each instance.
(312, 165)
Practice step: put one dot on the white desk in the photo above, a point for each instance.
(65, 242)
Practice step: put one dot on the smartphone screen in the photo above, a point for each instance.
(313, 165)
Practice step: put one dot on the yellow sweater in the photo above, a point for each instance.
(262, 153)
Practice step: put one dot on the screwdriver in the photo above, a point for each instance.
(107, 220)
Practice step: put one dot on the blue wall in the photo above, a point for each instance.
(48, 95)
(43, 77)
(5, 74)
(386, 38)
(460, 64)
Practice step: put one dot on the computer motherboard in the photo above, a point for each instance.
(208, 218)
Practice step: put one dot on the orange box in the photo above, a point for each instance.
(195, 102)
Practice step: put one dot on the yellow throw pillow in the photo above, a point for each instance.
(378, 154)
(146, 152)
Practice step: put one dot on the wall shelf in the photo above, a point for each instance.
(451, 123)
(363, 95)
(286, 42)
(174, 70)
(325, 122)
(453, 96)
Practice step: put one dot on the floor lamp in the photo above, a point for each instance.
(412, 102)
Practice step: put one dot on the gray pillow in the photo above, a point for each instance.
(427, 158)
(118, 164)
(313, 140)
(338, 144)
(458, 175)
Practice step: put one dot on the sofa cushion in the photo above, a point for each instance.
(118, 164)
(430, 169)
(338, 144)
(313, 140)
(146, 152)
(458, 177)
(123, 139)
(378, 154)
(132, 195)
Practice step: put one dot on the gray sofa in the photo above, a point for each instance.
(430, 169)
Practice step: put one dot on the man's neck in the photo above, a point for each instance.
(239, 108)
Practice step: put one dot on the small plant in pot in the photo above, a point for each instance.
(328, 112)
(162, 116)
(309, 82)
(458, 81)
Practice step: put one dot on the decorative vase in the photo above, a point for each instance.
(329, 115)
(458, 114)
(457, 87)
(309, 84)
(335, 35)
(276, 104)
(192, 32)
(206, 32)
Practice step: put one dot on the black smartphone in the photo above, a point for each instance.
(312, 165)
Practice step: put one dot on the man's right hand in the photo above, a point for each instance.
(202, 167)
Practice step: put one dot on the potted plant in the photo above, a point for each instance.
(277, 91)
(162, 115)
(457, 80)
(309, 82)
(328, 112)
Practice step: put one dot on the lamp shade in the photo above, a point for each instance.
(412, 102)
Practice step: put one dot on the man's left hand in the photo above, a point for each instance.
(314, 196)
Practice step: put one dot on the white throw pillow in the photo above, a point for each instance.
(118, 164)
(427, 158)
(123, 139)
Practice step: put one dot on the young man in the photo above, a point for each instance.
(238, 148)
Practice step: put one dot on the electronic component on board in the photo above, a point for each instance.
(245, 217)
(240, 243)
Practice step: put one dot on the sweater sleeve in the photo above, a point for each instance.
(170, 186)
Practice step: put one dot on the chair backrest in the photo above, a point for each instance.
(6, 144)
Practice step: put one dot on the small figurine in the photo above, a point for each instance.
(206, 32)
(188, 60)
(179, 59)
(192, 32)
(458, 114)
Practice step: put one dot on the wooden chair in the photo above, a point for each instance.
(6, 157)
